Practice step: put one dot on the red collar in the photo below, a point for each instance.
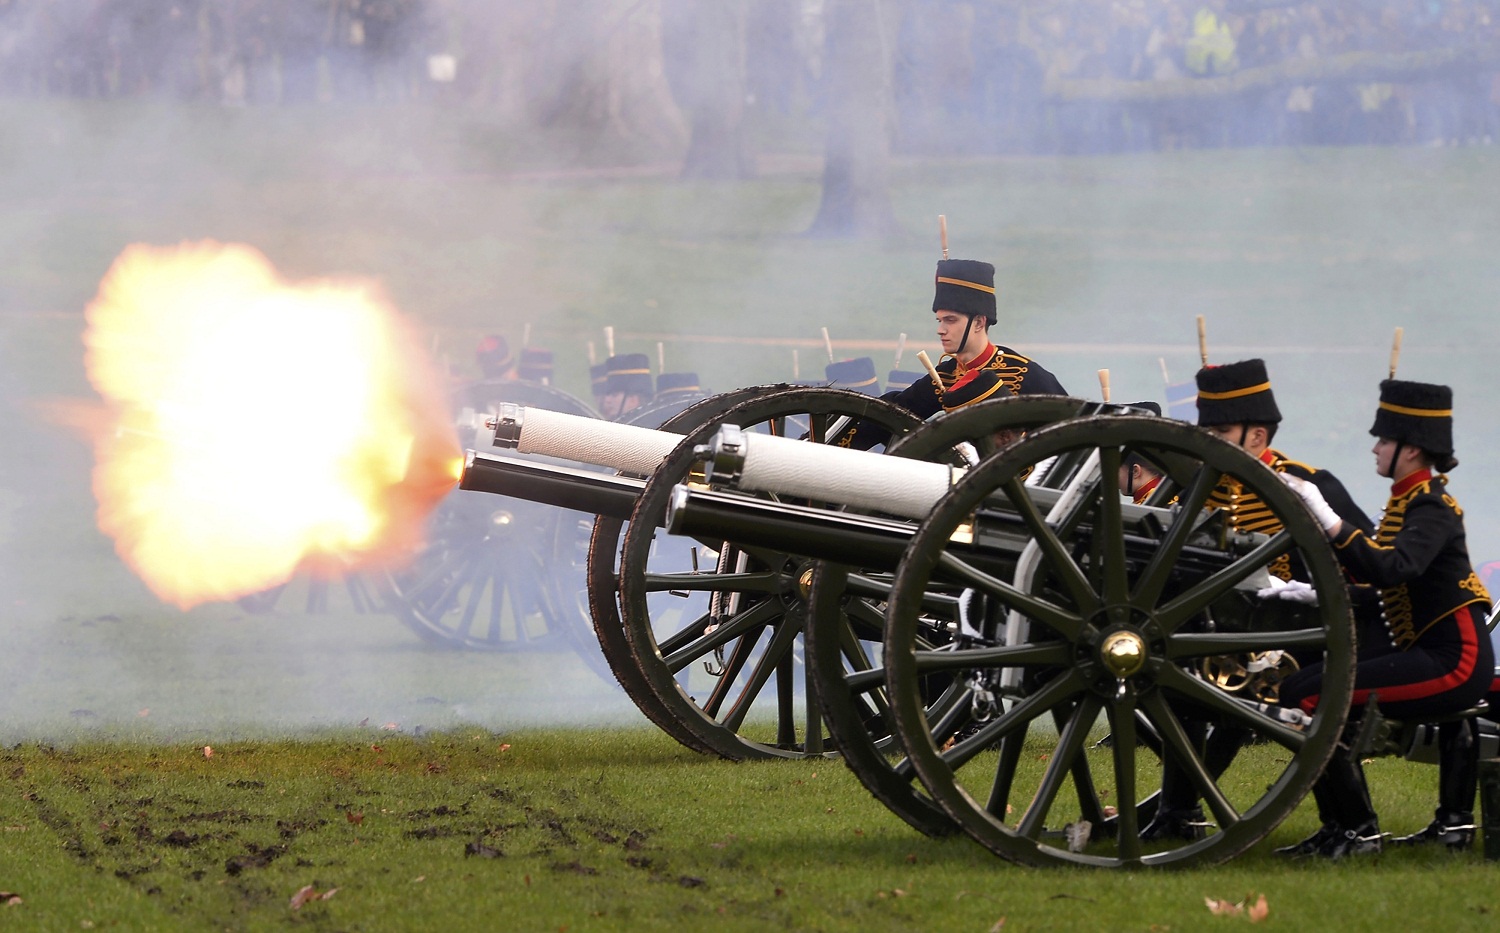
(1269, 456)
(1409, 482)
(980, 361)
(1142, 493)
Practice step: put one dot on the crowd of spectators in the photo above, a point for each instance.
(997, 76)
(970, 76)
(229, 51)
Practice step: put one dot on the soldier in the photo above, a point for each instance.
(964, 306)
(1138, 477)
(854, 375)
(676, 387)
(494, 359)
(598, 378)
(536, 365)
(1235, 402)
(627, 386)
(1436, 658)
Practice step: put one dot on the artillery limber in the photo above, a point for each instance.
(995, 625)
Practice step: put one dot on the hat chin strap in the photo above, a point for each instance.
(1390, 470)
(968, 329)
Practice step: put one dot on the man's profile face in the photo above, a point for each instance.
(951, 327)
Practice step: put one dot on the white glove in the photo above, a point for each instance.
(1322, 512)
(1296, 591)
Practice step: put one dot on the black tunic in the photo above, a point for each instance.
(1021, 375)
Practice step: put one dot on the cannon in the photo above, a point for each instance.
(987, 649)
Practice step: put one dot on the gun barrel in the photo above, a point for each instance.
(564, 487)
(622, 447)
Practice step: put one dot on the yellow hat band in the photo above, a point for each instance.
(974, 285)
(1234, 393)
(629, 372)
(1418, 412)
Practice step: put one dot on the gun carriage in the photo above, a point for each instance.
(964, 626)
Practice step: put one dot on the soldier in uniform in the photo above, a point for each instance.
(964, 305)
(494, 359)
(598, 378)
(1235, 402)
(627, 385)
(535, 366)
(675, 387)
(855, 375)
(1436, 658)
(1138, 477)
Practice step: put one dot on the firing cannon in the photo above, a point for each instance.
(994, 642)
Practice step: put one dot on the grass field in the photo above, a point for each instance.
(1309, 258)
(589, 830)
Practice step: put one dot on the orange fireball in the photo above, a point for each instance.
(254, 422)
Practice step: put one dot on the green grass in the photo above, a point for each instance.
(1308, 258)
(593, 830)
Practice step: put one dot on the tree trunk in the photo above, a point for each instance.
(599, 68)
(703, 44)
(856, 169)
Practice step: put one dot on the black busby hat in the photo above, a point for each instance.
(901, 379)
(598, 376)
(966, 286)
(1418, 414)
(629, 373)
(536, 365)
(975, 386)
(1236, 393)
(858, 375)
(677, 382)
(493, 356)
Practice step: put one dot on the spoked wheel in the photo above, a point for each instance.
(844, 645)
(319, 588)
(499, 574)
(716, 630)
(1121, 619)
(602, 594)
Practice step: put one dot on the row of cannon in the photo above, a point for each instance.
(975, 620)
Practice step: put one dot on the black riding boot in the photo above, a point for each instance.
(1458, 783)
(1348, 799)
(1178, 815)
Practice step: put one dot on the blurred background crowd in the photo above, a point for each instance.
(967, 76)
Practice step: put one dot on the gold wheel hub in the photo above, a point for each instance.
(1123, 652)
(804, 583)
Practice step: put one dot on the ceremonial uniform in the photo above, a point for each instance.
(1435, 658)
(1239, 395)
(965, 287)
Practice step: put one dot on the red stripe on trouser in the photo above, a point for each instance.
(1422, 689)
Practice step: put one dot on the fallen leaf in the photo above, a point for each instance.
(999, 925)
(505, 746)
(306, 893)
(911, 858)
(898, 892)
(1222, 908)
(390, 727)
(780, 892)
(208, 751)
(419, 879)
(1259, 910)
(527, 879)
(355, 817)
(11, 898)
(376, 749)
(859, 832)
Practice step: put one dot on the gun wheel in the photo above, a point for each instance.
(1107, 629)
(716, 630)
